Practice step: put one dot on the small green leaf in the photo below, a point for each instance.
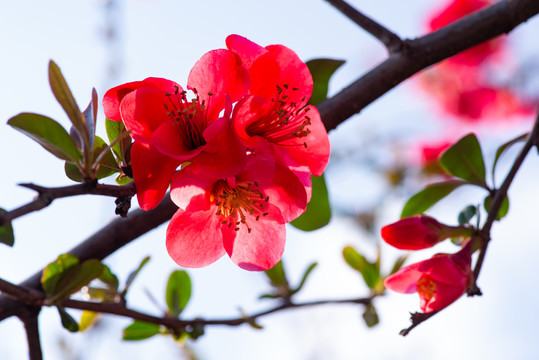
(196, 331)
(318, 212)
(74, 278)
(87, 319)
(72, 171)
(67, 321)
(358, 262)
(321, 71)
(90, 116)
(304, 278)
(504, 147)
(48, 133)
(140, 330)
(398, 264)
(106, 162)
(55, 270)
(277, 275)
(121, 179)
(6, 232)
(370, 316)
(178, 292)
(107, 277)
(114, 130)
(467, 214)
(504, 208)
(429, 196)
(465, 160)
(64, 96)
(134, 274)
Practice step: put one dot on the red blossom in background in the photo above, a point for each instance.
(419, 232)
(243, 215)
(463, 83)
(439, 281)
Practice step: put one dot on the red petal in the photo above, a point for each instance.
(152, 172)
(405, 280)
(219, 72)
(143, 110)
(188, 184)
(259, 249)
(194, 238)
(168, 139)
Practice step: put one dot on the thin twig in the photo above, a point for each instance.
(392, 42)
(29, 317)
(175, 324)
(47, 195)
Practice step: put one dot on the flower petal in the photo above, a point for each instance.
(168, 139)
(189, 184)
(259, 249)
(152, 172)
(218, 72)
(194, 238)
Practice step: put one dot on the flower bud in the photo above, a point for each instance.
(420, 232)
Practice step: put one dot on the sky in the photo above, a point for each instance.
(164, 38)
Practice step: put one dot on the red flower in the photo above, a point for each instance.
(420, 232)
(169, 129)
(275, 117)
(455, 10)
(242, 215)
(439, 281)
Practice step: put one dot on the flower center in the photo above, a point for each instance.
(189, 117)
(235, 203)
(426, 287)
(286, 120)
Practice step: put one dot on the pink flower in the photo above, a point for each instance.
(452, 12)
(275, 117)
(439, 281)
(170, 129)
(242, 215)
(420, 232)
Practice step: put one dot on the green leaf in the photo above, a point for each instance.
(504, 208)
(140, 330)
(55, 270)
(64, 96)
(114, 130)
(277, 275)
(72, 171)
(107, 277)
(321, 71)
(90, 116)
(87, 319)
(178, 292)
(358, 262)
(304, 278)
(370, 316)
(504, 147)
(318, 212)
(74, 278)
(465, 160)
(134, 274)
(467, 214)
(48, 133)
(6, 232)
(106, 162)
(423, 200)
(398, 264)
(67, 321)
(122, 179)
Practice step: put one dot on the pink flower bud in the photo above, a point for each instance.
(419, 232)
(439, 281)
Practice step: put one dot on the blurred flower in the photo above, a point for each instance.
(420, 232)
(242, 215)
(439, 281)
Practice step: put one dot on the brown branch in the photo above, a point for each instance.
(177, 324)
(29, 317)
(47, 195)
(423, 52)
(392, 42)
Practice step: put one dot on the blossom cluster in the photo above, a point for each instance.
(237, 149)
(468, 84)
(443, 278)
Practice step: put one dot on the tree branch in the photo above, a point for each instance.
(47, 195)
(392, 42)
(423, 52)
(29, 318)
